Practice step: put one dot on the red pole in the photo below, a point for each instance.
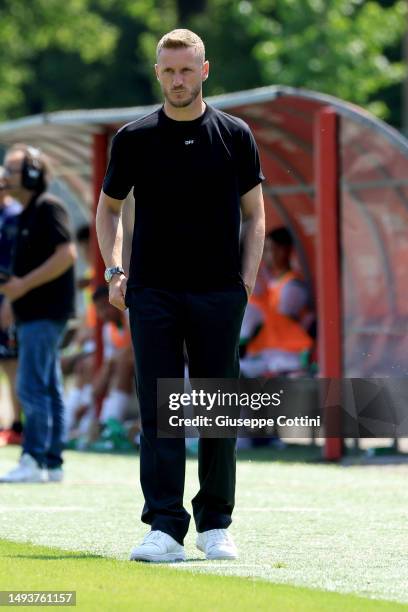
(99, 162)
(328, 264)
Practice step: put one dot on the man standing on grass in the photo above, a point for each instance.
(194, 171)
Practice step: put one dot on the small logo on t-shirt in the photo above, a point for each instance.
(189, 142)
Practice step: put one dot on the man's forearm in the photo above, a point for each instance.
(253, 234)
(63, 258)
(253, 241)
(109, 230)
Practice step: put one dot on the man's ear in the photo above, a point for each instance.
(156, 69)
(206, 69)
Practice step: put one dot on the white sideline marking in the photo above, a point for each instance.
(287, 509)
(99, 483)
(220, 565)
(87, 509)
(46, 509)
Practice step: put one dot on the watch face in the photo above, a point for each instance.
(110, 272)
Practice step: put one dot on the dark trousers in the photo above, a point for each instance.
(209, 324)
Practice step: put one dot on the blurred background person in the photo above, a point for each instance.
(9, 211)
(118, 354)
(42, 293)
(86, 330)
(81, 345)
(112, 384)
(278, 324)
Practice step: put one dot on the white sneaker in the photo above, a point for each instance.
(55, 474)
(27, 470)
(217, 544)
(158, 546)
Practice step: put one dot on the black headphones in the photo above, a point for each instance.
(32, 172)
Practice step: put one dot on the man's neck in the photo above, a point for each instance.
(187, 113)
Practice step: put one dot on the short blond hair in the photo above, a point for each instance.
(179, 39)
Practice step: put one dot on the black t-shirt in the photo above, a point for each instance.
(43, 225)
(187, 179)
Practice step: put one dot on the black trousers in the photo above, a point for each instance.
(209, 324)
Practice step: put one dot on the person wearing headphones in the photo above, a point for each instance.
(41, 291)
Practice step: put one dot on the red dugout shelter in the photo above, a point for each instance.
(335, 175)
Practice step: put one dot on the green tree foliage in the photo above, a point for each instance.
(333, 46)
(58, 54)
(32, 30)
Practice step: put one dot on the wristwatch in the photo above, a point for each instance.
(110, 272)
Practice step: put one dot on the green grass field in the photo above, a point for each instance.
(325, 527)
(108, 584)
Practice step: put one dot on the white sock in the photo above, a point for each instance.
(114, 406)
(86, 398)
(71, 402)
(76, 397)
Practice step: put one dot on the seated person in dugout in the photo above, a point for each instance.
(82, 344)
(276, 330)
(86, 330)
(114, 380)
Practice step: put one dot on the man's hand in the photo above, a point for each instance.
(6, 315)
(15, 288)
(117, 291)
